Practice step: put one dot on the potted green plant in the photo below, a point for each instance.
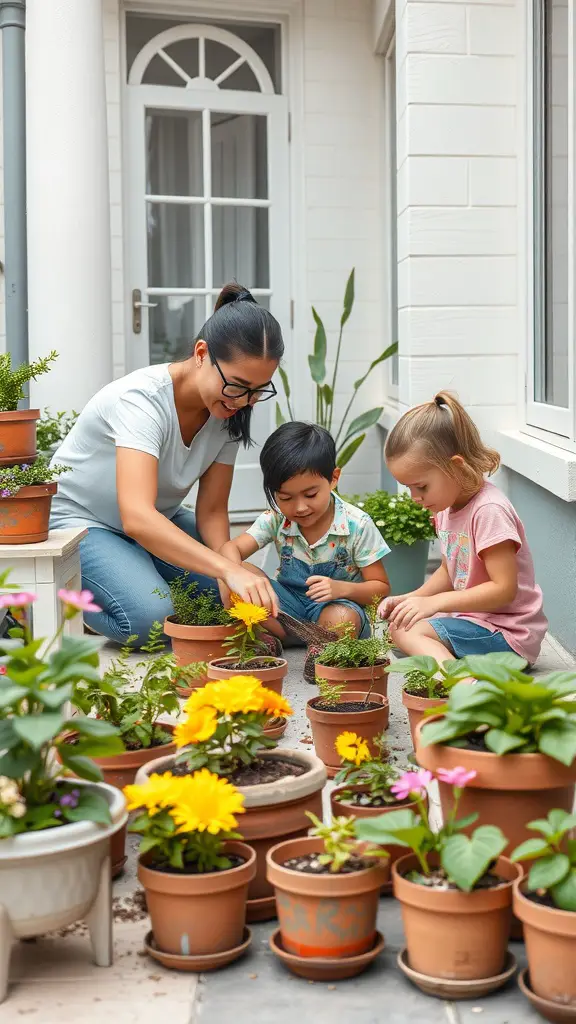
(422, 688)
(194, 871)
(455, 891)
(336, 710)
(361, 664)
(224, 731)
(51, 430)
(408, 529)
(26, 493)
(516, 732)
(198, 626)
(545, 902)
(248, 650)
(54, 831)
(327, 888)
(18, 426)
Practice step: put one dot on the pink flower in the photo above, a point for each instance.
(458, 777)
(82, 600)
(16, 600)
(411, 782)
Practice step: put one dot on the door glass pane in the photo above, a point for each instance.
(175, 245)
(240, 246)
(239, 156)
(173, 325)
(174, 153)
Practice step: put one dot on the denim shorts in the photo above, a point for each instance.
(464, 637)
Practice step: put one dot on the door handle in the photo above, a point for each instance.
(137, 306)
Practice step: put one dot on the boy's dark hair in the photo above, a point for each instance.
(296, 448)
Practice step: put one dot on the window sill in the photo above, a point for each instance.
(552, 468)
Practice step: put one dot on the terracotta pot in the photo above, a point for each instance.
(24, 517)
(356, 680)
(198, 914)
(272, 677)
(18, 436)
(451, 934)
(323, 915)
(276, 728)
(274, 811)
(550, 937)
(191, 644)
(327, 725)
(508, 791)
(416, 706)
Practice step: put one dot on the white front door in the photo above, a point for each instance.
(208, 203)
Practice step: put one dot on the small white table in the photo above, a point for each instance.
(44, 569)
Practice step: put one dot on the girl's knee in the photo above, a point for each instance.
(397, 636)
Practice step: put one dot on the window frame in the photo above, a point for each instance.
(390, 220)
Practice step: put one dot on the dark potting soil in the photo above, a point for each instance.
(475, 741)
(438, 880)
(346, 706)
(247, 667)
(541, 897)
(161, 741)
(440, 692)
(365, 800)
(261, 770)
(310, 865)
(192, 869)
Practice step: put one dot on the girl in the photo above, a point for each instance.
(484, 596)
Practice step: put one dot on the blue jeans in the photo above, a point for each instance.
(290, 586)
(464, 637)
(123, 576)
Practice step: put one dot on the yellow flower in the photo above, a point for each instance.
(158, 792)
(351, 747)
(199, 726)
(274, 704)
(207, 804)
(249, 614)
(228, 696)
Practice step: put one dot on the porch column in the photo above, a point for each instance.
(69, 266)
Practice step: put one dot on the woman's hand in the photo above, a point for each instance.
(225, 595)
(251, 588)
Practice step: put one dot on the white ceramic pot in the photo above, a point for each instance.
(51, 878)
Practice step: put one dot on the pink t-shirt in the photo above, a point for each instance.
(489, 519)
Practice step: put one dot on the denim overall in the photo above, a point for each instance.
(290, 585)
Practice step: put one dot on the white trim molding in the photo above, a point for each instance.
(552, 468)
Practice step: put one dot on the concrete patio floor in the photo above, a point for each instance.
(54, 982)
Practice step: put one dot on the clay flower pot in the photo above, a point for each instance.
(276, 728)
(24, 517)
(416, 706)
(272, 677)
(273, 811)
(356, 680)
(508, 791)
(461, 936)
(18, 436)
(328, 915)
(550, 937)
(327, 725)
(198, 914)
(191, 644)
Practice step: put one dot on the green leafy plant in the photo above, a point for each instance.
(507, 709)
(359, 767)
(349, 436)
(12, 381)
(399, 519)
(341, 843)
(247, 643)
(421, 685)
(51, 430)
(350, 651)
(553, 854)
(330, 693)
(463, 860)
(13, 478)
(192, 609)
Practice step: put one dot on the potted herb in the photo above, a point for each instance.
(336, 710)
(327, 888)
(545, 902)
(516, 732)
(26, 493)
(408, 529)
(455, 891)
(18, 426)
(54, 831)
(422, 688)
(224, 731)
(51, 430)
(194, 871)
(248, 651)
(360, 664)
(198, 626)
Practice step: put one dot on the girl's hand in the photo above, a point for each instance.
(322, 589)
(412, 609)
(387, 606)
(252, 588)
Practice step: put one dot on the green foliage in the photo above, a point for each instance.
(330, 693)
(554, 858)
(349, 436)
(352, 652)
(12, 381)
(418, 684)
(399, 519)
(237, 742)
(12, 478)
(192, 609)
(517, 713)
(376, 773)
(340, 842)
(51, 430)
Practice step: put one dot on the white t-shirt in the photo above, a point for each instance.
(138, 412)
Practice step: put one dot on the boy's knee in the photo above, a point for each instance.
(336, 615)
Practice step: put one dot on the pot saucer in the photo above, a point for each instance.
(261, 910)
(555, 1012)
(207, 962)
(316, 968)
(276, 728)
(447, 988)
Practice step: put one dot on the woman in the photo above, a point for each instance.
(139, 446)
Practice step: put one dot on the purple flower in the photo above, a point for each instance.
(25, 465)
(57, 814)
(76, 793)
(68, 800)
(5, 493)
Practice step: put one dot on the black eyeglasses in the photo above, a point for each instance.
(237, 391)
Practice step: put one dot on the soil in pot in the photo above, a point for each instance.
(270, 673)
(550, 937)
(357, 680)
(416, 706)
(191, 644)
(260, 772)
(18, 436)
(452, 934)
(350, 712)
(24, 517)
